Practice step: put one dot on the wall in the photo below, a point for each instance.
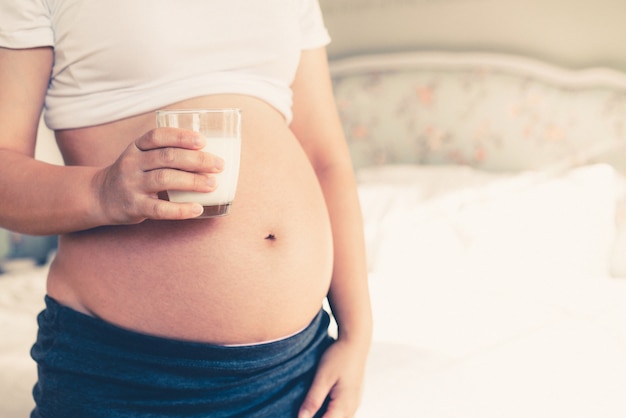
(572, 33)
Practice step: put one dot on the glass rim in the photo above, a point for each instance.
(199, 110)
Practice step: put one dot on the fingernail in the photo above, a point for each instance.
(197, 209)
(304, 414)
(211, 181)
(219, 163)
(198, 141)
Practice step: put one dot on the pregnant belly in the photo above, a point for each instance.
(257, 274)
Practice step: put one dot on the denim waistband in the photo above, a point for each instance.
(101, 336)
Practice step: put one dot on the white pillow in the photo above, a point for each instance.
(436, 220)
(618, 253)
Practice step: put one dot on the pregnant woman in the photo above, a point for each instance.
(150, 312)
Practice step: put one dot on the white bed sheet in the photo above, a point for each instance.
(488, 347)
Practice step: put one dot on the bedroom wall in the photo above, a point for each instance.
(572, 33)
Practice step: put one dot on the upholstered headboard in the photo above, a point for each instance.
(493, 111)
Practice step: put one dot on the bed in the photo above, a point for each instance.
(492, 193)
(493, 199)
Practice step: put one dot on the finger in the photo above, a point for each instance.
(316, 396)
(343, 402)
(163, 210)
(170, 137)
(171, 179)
(336, 410)
(181, 159)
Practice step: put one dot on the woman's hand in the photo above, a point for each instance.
(339, 378)
(162, 159)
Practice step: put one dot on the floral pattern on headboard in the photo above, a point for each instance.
(487, 112)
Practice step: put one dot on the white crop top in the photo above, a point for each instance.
(118, 58)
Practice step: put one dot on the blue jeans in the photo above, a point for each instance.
(89, 368)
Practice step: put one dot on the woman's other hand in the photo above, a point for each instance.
(339, 379)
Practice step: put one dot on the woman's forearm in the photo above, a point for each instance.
(349, 291)
(38, 198)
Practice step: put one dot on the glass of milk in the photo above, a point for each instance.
(222, 130)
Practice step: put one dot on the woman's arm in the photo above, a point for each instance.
(316, 124)
(44, 199)
(31, 191)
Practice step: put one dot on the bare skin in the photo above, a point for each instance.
(156, 275)
(293, 236)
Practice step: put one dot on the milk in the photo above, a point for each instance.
(229, 150)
